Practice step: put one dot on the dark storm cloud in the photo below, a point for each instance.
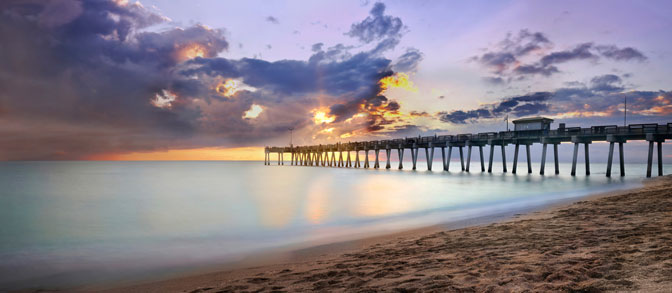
(92, 79)
(511, 57)
(377, 26)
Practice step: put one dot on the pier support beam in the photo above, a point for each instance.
(587, 156)
(613, 139)
(652, 138)
(555, 156)
(610, 158)
(357, 165)
(650, 160)
(480, 150)
(620, 154)
(468, 157)
(586, 141)
(446, 163)
(376, 165)
(340, 158)
(366, 158)
(503, 158)
(429, 154)
(400, 152)
(414, 155)
(387, 155)
(461, 158)
(515, 159)
(348, 163)
(529, 159)
(660, 158)
(576, 153)
(492, 153)
(543, 159)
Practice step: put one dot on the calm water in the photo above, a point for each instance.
(86, 223)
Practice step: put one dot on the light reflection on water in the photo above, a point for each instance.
(78, 223)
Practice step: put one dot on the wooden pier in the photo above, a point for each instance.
(332, 155)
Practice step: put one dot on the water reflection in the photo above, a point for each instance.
(119, 220)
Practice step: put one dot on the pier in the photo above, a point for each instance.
(527, 132)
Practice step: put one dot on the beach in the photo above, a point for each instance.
(618, 241)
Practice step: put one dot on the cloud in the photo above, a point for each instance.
(525, 42)
(495, 80)
(624, 54)
(272, 19)
(528, 54)
(580, 52)
(601, 99)
(98, 78)
(377, 26)
(518, 106)
(607, 83)
(409, 61)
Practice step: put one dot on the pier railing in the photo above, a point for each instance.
(318, 155)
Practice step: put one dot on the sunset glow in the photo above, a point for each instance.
(198, 154)
(164, 99)
(253, 112)
(321, 117)
(191, 51)
(228, 88)
(398, 80)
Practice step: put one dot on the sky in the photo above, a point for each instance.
(205, 79)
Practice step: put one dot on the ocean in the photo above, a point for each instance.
(80, 224)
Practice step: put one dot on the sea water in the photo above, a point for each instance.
(79, 224)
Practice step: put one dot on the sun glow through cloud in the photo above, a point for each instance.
(164, 99)
(253, 112)
(398, 80)
(321, 117)
(191, 51)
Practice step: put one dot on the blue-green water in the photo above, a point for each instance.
(85, 223)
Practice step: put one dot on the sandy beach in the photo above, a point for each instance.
(614, 242)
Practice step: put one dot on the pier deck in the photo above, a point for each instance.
(326, 155)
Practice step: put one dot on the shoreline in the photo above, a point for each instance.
(318, 255)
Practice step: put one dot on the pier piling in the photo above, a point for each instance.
(387, 154)
(515, 159)
(366, 158)
(461, 158)
(480, 150)
(430, 156)
(376, 164)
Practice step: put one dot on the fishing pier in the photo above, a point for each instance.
(527, 132)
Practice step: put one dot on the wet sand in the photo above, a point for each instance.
(617, 242)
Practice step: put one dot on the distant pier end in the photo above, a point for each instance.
(527, 131)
